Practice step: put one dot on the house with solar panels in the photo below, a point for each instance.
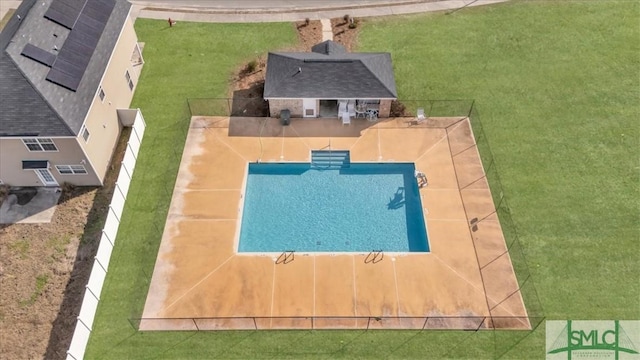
(68, 71)
(329, 81)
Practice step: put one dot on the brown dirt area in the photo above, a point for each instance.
(248, 80)
(44, 269)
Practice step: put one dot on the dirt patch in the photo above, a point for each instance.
(44, 269)
(248, 79)
(309, 34)
(345, 31)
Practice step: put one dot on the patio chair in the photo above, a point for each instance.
(361, 109)
(420, 115)
(351, 108)
(372, 115)
(342, 107)
(346, 119)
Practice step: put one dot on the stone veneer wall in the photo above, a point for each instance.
(294, 105)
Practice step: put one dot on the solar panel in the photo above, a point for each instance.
(90, 23)
(67, 67)
(62, 79)
(75, 54)
(35, 53)
(65, 12)
(97, 12)
(327, 60)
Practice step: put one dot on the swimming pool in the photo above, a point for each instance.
(361, 208)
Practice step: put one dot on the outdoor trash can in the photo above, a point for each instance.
(285, 116)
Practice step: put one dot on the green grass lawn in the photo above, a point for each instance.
(557, 86)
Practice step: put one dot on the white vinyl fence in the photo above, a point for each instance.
(107, 241)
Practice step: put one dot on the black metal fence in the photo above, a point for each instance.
(515, 249)
(249, 107)
(151, 219)
(467, 323)
(258, 107)
(433, 109)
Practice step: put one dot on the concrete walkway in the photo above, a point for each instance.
(225, 15)
(327, 31)
(29, 205)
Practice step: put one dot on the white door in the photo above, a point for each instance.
(309, 107)
(46, 177)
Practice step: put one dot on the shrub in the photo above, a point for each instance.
(251, 66)
(397, 109)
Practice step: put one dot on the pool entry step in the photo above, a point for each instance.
(330, 159)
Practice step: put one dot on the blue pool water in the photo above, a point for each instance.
(293, 207)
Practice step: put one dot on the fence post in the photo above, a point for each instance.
(107, 236)
(471, 108)
(120, 190)
(82, 322)
(114, 214)
(125, 170)
(255, 324)
(132, 152)
(195, 323)
(425, 322)
(135, 132)
(91, 291)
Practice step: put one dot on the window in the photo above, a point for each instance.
(71, 169)
(85, 134)
(128, 77)
(101, 94)
(40, 144)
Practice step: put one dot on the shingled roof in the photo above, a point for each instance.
(33, 105)
(329, 72)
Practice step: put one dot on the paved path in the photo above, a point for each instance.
(277, 10)
(187, 11)
(327, 31)
(266, 4)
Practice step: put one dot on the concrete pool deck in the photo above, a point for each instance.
(201, 283)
